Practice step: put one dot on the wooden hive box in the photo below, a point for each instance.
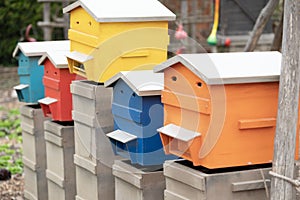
(31, 87)
(220, 108)
(137, 113)
(112, 36)
(57, 103)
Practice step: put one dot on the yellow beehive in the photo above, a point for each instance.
(112, 36)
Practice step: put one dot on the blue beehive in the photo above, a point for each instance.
(137, 113)
(31, 87)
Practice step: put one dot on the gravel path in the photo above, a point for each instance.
(13, 188)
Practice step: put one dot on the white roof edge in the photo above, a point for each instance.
(134, 19)
(78, 3)
(56, 65)
(178, 59)
(15, 52)
(216, 81)
(122, 75)
(62, 46)
(42, 59)
(71, 7)
(114, 79)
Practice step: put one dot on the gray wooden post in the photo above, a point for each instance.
(184, 13)
(194, 24)
(287, 117)
(47, 18)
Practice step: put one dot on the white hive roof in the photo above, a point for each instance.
(143, 83)
(124, 10)
(230, 68)
(57, 58)
(39, 48)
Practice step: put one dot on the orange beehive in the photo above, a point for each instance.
(220, 109)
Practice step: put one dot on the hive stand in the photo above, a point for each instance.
(31, 87)
(137, 113)
(138, 182)
(34, 152)
(93, 153)
(183, 181)
(60, 149)
(138, 29)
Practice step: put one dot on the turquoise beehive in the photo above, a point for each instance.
(31, 88)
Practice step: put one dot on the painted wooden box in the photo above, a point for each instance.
(137, 113)
(220, 109)
(31, 88)
(112, 36)
(57, 103)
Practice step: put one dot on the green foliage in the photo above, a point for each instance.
(15, 16)
(11, 139)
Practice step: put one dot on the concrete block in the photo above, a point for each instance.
(35, 184)
(60, 172)
(93, 181)
(137, 182)
(186, 182)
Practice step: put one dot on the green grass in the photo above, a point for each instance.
(11, 140)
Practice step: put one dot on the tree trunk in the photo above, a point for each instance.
(260, 24)
(277, 41)
(287, 117)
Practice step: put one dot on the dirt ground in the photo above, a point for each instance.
(13, 188)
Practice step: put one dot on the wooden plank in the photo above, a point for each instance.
(257, 123)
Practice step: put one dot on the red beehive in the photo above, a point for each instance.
(57, 103)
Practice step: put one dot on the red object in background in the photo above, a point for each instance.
(27, 37)
(180, 34)
(57, 103)
(227, 42)
(180, 50)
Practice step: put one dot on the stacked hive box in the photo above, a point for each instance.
(60, 171)
(93, 154)
(97, 29)
(59, 133)
(187, 182)
(34, 152)
(29, 91)
(138, 182)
